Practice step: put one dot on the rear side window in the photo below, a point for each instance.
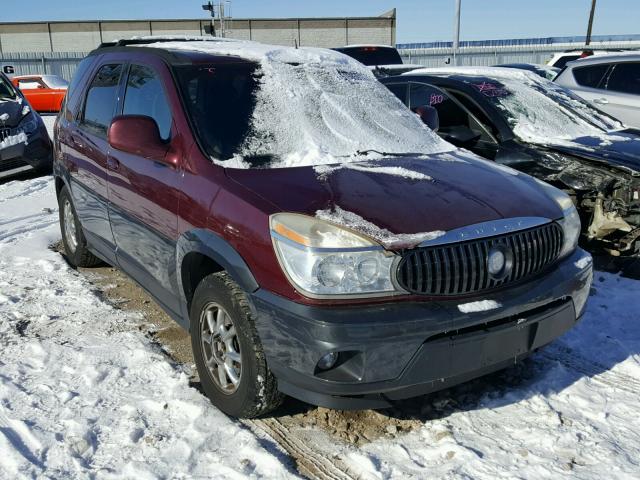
(145, 96)
(625, 78)
(72, 98)
(102, 98)
(590, 76)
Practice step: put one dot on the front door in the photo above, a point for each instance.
(143, 193)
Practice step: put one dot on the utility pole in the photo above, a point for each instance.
(593, 11)
(456, 32)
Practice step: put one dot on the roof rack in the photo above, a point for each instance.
(150, 40)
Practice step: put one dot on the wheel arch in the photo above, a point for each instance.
(200, 253)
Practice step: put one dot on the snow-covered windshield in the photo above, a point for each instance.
(54, 81)
(541, 111)
(294, 113)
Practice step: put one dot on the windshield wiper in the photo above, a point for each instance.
(387, 154)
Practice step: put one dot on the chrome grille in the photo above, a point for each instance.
(461, 268)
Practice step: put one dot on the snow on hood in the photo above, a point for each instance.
(388, 239)
(538, 110)
(316, 107)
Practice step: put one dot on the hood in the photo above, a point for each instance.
(11, 112)
(620, 148)
(404, 195)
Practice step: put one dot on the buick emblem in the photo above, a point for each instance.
(499, 262)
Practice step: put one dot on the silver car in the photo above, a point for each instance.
(610, 82)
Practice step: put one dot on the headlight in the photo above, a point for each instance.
(571, 220)
(323, 259)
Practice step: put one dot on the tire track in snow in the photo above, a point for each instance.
(597, 372)
(311, 463)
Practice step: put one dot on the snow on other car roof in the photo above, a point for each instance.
(538, 110)
(316, 106)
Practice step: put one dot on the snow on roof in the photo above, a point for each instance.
(538, 110)
(250, 50)
(317, 106)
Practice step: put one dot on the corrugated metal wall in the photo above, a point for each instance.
(56, 63)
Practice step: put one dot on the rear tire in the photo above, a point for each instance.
(75, 243)
(227, 350)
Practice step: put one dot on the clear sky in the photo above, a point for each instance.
(418, 20)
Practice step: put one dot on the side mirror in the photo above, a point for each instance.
(139, 135)
(429, 116)
(41, 87)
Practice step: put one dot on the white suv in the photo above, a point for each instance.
(610, 82)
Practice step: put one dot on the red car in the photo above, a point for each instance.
(311, 233)
(45, 93)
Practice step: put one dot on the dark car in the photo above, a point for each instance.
(520, 120)
(24, 141)
(314, 236)
(383, 60)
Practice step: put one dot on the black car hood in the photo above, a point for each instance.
(12, 108)
(621, 148)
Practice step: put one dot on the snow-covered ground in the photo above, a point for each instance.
(83, 393)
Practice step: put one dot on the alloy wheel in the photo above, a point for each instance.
(221, 348)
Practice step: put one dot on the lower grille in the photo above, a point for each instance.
(6, 165)
(462, 268)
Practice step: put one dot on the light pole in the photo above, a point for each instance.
(456, 32)
(590, 28)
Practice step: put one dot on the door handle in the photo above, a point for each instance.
(601, 101)
(112, 163)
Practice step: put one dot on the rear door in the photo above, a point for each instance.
(86, 147)
(621, 97)
(144, 193)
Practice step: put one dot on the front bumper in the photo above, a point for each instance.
(37, 153)
(399, 350)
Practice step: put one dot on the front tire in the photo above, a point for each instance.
(75, 243)
(227, 350)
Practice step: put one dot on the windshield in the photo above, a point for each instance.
(287, 115)
(54, 81)
(541, 111)
(372, 55)
(6, 89)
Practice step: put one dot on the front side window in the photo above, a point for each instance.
(590, 76)
(30, 84)
(399, 90)
(625, 78)
(145, 96)
(102, 98)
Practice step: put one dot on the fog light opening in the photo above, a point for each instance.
(327, 361)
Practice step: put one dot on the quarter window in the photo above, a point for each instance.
(145, 96)
(590, 76)
(102, 98)
(625, 78)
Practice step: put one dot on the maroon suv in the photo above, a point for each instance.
(314, 236)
